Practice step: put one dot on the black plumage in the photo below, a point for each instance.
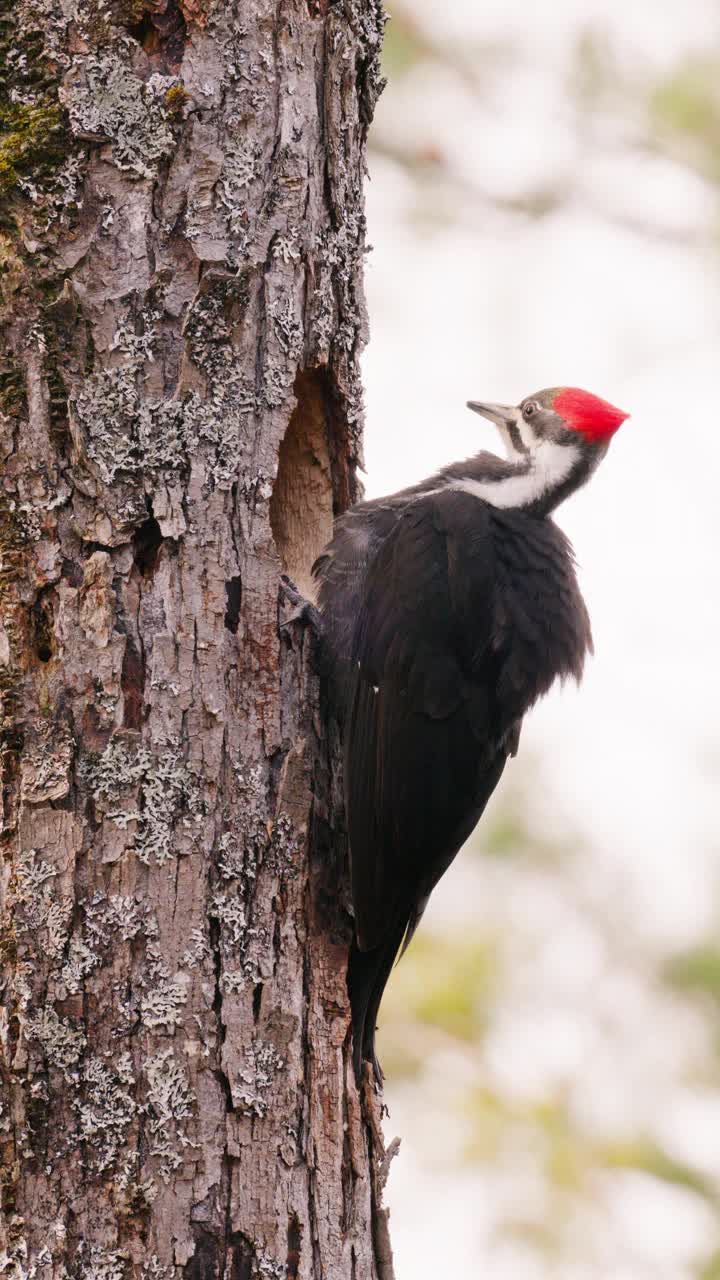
(447, 614)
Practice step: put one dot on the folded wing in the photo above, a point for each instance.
(424, 745)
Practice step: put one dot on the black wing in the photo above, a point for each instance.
(339, 572)
(424, 750)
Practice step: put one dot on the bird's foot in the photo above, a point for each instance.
(295, 608)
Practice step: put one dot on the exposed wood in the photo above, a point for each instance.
(181, 250)
(301, 506)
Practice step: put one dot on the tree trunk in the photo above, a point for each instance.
(182, 240)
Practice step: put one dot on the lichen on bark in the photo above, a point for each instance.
(181, 252)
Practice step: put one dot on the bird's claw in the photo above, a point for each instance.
(301, 610)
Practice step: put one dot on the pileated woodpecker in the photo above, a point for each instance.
(448, 610)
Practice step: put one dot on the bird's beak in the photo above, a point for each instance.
(503, 415)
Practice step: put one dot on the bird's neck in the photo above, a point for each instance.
(537, 482)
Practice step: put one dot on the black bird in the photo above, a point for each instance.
(448, 610)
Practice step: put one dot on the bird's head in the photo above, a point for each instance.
(554, 441)
(564, 416)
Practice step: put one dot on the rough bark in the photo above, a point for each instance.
(181, 251)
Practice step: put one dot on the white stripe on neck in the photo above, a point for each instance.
(550, 465)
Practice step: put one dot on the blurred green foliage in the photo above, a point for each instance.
(569, 1156)
(505, 835)
(710, 1269)
(510, 826)
(697, 970)
(448, 986)
(685, 107)
(645, 1155)
(403, 47)
(442, 989)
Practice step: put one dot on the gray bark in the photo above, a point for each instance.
(181, 251)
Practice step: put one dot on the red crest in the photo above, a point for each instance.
(594, 418)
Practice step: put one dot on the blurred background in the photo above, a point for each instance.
(545, 209)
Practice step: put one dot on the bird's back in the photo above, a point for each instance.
(446, 619)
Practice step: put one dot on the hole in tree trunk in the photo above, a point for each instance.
(242, 1256)
(144, 32)
(301, 506)
(161, 30)
(205, 1262)
(257, 1000)
(233, 595)
(294, 1243)
(146, 544)
(41, 621)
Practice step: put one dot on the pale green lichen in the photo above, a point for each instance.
(119, 767)
(163, 998)
(169, 789)
(231, 857)
(13, 404)
(102, 1264)
(338, 324)
(169, 1104)
(286, 247)
(111, 102)
(241, 167)
(14, 1264)
(207, 330)
(123, 434)
(102, 917)
(56, 924)
(252, 1087)
(121, 431)
(154, 1269)
(106, 1108)
(285, 844)
(267, 1269)
(38, 910)
(81, 961)
(138, 346)
(58, 192)
(33, 874)
(20, 993)
(118, 913)
(62, 1044)
(46, 765)
(197, 952)
(33, 139)
(134, 1194)
(276, 383)
(165, 789)
(254, 831)
(46, 21)
(162, 995)
(288, 327)
(230, 912)
(250, 840)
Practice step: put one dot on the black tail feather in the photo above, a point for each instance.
(368, 972)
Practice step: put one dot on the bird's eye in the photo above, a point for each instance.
(530, 409)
